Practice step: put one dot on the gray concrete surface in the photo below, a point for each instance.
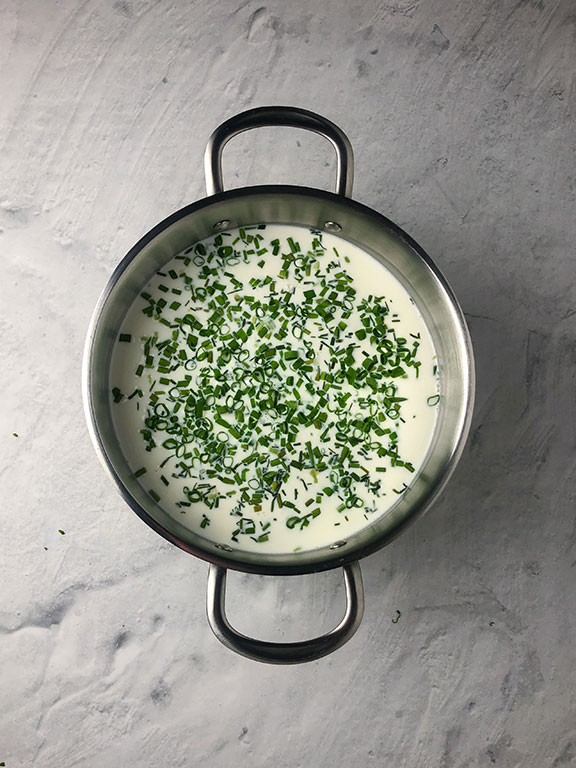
(462, 119)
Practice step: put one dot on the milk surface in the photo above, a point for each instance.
(242, 392)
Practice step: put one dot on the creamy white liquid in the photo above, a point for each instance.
(267, 527)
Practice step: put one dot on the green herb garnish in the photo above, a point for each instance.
(253, 385)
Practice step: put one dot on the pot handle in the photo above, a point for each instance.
(284, 653)
(292, 117)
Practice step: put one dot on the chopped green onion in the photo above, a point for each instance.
(280, 372)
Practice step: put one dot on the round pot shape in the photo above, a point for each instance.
(358, 225)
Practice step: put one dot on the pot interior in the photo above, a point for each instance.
(360, 226)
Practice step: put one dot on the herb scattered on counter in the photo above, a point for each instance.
(396, 619)
(46, 548)
(61, 532)
(15, 434)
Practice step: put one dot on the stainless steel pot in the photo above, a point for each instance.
(357, 224)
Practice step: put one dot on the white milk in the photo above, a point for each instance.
(196, 467)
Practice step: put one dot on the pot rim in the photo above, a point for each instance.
(340, 558)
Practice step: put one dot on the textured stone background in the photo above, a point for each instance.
(462, 119)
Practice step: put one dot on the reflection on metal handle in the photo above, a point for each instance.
(284, 653)
(291, 117)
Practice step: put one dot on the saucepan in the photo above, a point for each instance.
(358, 225)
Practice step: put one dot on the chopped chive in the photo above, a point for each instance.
(270, 375)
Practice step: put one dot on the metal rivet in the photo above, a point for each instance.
(225, 547)
(337, 545)
(222, 224)
(332, 226)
